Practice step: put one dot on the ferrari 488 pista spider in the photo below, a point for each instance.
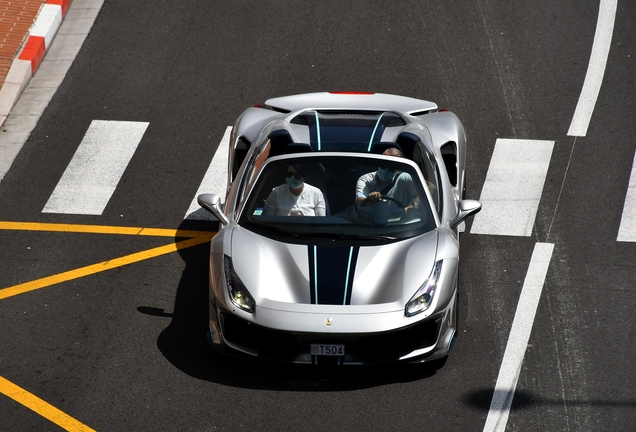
(338, 239)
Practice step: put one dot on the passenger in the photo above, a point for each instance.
(295, 198)
(383, 182)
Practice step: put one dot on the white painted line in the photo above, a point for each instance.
(518, 339)
(595, 69)
(214, 181)
(94, 172)
(512, 191)
(627, 229)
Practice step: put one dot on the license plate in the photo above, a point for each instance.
(327, 349)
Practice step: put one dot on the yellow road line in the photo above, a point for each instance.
(102, 266)
(22, 396)
(41, 407)
(99, 229)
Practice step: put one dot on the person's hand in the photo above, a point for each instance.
(374, 197)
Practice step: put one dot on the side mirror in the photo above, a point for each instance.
(212, 203)
(467, 208)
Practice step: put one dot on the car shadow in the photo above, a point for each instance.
(184, 344)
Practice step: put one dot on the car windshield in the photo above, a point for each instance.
(329, 196)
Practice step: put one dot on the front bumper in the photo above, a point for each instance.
(423, 340)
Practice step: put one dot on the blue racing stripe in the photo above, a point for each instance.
(373, 133)
(315, 276)
(318, 129)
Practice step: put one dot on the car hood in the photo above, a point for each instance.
(280, 274)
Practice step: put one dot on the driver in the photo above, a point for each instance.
(383, 182)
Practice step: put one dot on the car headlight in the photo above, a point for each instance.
(424, 295)
(239, 295)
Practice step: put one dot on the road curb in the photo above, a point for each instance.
(26, 63)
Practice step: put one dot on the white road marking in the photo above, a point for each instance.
(94, 172)
(627, 229)
(214, 181)
(595, 69)
(514, 183)
(518, 339)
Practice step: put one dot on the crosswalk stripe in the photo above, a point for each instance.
(513, 187)
(214, 181)
(94, 171)
(627, 229)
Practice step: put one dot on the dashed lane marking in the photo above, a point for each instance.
(41, 407)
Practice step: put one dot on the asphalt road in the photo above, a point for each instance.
(125, 349)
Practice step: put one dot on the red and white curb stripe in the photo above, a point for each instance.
(27, 62)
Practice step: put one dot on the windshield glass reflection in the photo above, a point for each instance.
(340, 197)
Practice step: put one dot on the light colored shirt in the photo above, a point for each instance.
(281, 202)
(403, 190)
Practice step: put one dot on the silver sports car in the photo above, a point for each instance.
(338, 239)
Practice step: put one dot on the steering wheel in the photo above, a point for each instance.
(380, 211)
(390, 198)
